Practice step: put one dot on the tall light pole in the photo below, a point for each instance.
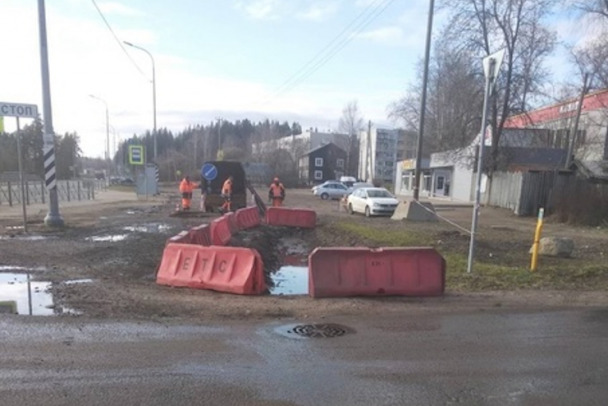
(107, 124)
(53, 218)
(153, 91)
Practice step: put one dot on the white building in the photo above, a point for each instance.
(379, 151)
(300, 144)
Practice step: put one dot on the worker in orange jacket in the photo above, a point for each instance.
(276, 193)
(227, 195)
(186, 187)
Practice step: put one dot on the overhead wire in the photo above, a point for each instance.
(335, 45)
(118, 40)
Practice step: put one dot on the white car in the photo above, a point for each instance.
(371, 201)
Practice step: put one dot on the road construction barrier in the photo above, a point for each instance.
(248, 218)
(232, 223)
(183, 237)
(283, 216)
(220, 231)
(337, 272)
(201, 235)
(223, 269)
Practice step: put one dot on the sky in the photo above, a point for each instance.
(285, 60)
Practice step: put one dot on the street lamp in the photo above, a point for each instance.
(107, 124)
(153, 90)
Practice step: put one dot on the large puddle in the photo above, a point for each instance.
(19, 294)
(290, 280)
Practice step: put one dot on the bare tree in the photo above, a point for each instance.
(595, 7)
(485, 26)
(454, 99)
(351, 123)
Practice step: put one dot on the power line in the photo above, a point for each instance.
(118, 40)
(335, 45)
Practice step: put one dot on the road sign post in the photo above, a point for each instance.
(19, 110)
(491, 66)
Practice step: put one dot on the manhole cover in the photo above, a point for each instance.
(319, 330)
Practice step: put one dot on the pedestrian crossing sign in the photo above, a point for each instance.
(136, 154)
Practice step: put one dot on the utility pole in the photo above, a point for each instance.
(368, 153)
(53, 218)
(429, 30)
(574, 131)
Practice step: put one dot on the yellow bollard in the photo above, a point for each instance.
(539, 228)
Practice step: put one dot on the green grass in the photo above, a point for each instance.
(376, 236)
(563, 275)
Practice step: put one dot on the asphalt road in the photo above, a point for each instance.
(493, 357)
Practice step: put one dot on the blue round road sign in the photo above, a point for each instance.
(209, 171)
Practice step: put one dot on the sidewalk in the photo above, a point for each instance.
(103, 197)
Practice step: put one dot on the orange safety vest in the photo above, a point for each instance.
(277, 190)
(227, 188)
(186, 186)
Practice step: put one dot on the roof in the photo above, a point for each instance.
(593, 101)
(321, 147)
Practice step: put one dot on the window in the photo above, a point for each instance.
(318, 162)
(440, 180)
(339, 163)
(319, 174)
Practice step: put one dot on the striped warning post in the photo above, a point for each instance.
(49, 168)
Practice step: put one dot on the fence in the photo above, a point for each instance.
(526, 192)
(36, 192)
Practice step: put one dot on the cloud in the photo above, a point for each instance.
(385, 35)
(319, 11)
(112, 7)
(260, 9)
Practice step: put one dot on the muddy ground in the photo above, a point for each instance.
(117, 242)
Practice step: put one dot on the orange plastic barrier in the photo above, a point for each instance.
(248, 218)
(200, 235)
(283, 216)
(183, 237)
(335, 272)
(220, 231)
(232, 223)
(224, 269)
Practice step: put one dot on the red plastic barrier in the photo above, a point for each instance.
(335, 272)
(224, 269)
(201, 235)
(232, 223)
(248, 218)
(183, 237)
(283, 216)
(220, 231)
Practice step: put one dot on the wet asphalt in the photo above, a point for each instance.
(492, 357)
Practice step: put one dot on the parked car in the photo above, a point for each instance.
(371, 201)
(327, 182)
(331, 190)
(348, 180)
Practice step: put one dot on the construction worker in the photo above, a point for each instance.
(276, 193)
(227, 195)
(186, 187)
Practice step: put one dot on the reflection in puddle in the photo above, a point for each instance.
(107, 238)
(4, 268)
(20, 295)
(290, 280)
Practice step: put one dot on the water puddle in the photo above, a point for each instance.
(148, 228)
(26, 237)
(20, 295)
(290, 280)
(7, 268)
(108, 238)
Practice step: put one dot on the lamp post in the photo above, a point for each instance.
(153, 91)
(107, 124)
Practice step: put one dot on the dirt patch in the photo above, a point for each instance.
(119, 243)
